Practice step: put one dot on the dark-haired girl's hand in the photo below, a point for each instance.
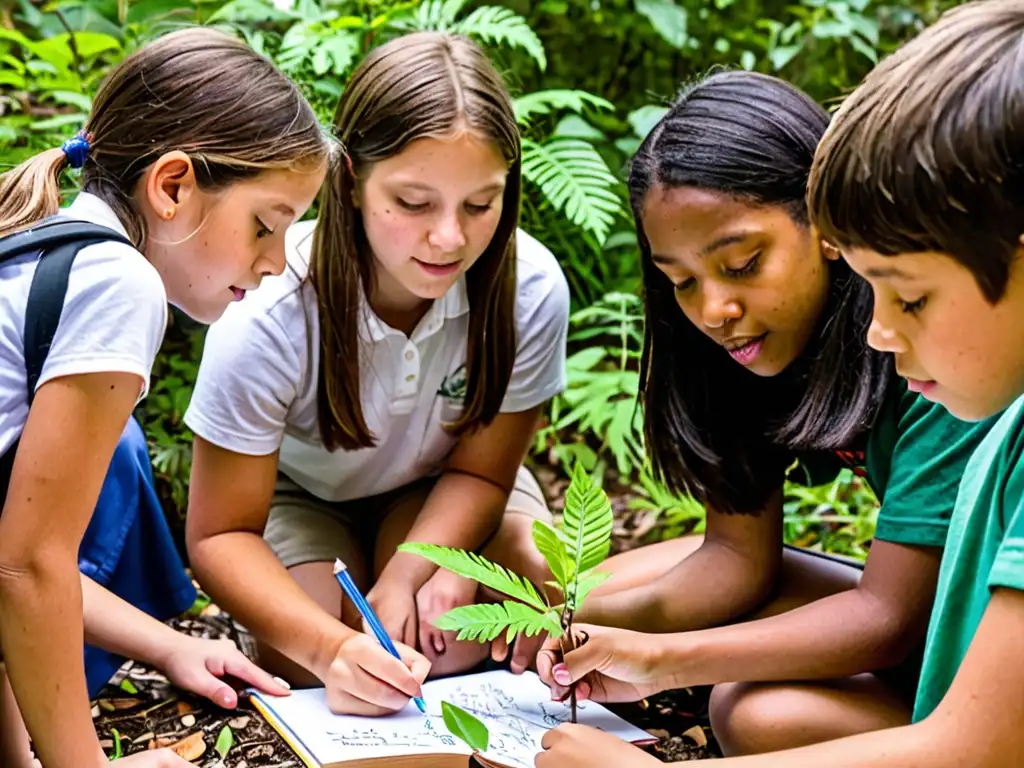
(580, 746)
(611, 665)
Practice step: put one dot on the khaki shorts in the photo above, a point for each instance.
(302, 528)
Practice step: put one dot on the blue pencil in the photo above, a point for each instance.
(345, 580)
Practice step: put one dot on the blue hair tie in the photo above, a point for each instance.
(77, 151)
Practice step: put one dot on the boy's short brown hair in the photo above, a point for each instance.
(928, 153)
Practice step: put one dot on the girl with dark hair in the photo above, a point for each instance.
(756, 365)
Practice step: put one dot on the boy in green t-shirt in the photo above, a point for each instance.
(920, 181)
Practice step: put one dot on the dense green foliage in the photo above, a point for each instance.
(590, 77)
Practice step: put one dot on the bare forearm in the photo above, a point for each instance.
(121, 628)
(710, 587)
(840, 635)
(40, 623)
(923, 745)
(277, 611)
(462, 512)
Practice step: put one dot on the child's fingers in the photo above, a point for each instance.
(417, 663)
(524, 651)
(381, 665)
(589, 657)
(237, 665)
(343, 702)
(204, 683)
(546, 660)
(431, 638)
(499, 648)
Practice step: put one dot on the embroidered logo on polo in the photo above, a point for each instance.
(453, 387)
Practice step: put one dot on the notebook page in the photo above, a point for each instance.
(331, 738)
(517, 710)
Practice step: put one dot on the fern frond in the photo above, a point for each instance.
(576, 181)
(545, 102)
(587, 521)
(481, 570)
(494, 24)
(431, 15)
(555, 552)
(586, 584)
(485, 621)
(336, 53)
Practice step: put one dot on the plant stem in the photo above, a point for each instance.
(568, 636)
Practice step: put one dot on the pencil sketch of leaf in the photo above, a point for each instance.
(472, 566)
(587, 522)
(485, 621)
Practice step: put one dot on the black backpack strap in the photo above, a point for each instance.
(44, 308)
(53, 232)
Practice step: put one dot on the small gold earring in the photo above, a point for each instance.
(169, 213)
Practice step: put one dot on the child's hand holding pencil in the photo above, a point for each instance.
(371, 674)
(364, 679)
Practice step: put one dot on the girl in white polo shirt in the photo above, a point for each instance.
(186, 212)
(388, 386)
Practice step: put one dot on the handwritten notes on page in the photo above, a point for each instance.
(517, 710)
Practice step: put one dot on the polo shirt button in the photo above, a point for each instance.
(409, 355)
(411, 377)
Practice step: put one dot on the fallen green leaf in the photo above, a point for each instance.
(225, 740)
(117, 744)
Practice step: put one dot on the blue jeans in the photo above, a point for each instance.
(128, 548)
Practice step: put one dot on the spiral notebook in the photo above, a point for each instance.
(517, 710)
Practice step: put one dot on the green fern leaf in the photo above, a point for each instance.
(428, 16)
(494, 24)
(555, 552)
(545, 102)
(336, 53)
(481, 570)
(587, 521)
(485, 621)
(576, 181)
(252, 11)
(586, 584)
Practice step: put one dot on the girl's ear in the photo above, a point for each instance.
(169, 184)
(830, 252)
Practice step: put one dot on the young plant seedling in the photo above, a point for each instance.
(572, 553)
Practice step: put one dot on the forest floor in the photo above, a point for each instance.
(140, 710)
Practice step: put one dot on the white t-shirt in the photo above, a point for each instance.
(114, 317)
(257, 386)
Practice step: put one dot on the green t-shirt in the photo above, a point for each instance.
(985, 549)
(913, 459)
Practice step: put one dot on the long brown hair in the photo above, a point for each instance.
(421, 85)
(197, 90)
